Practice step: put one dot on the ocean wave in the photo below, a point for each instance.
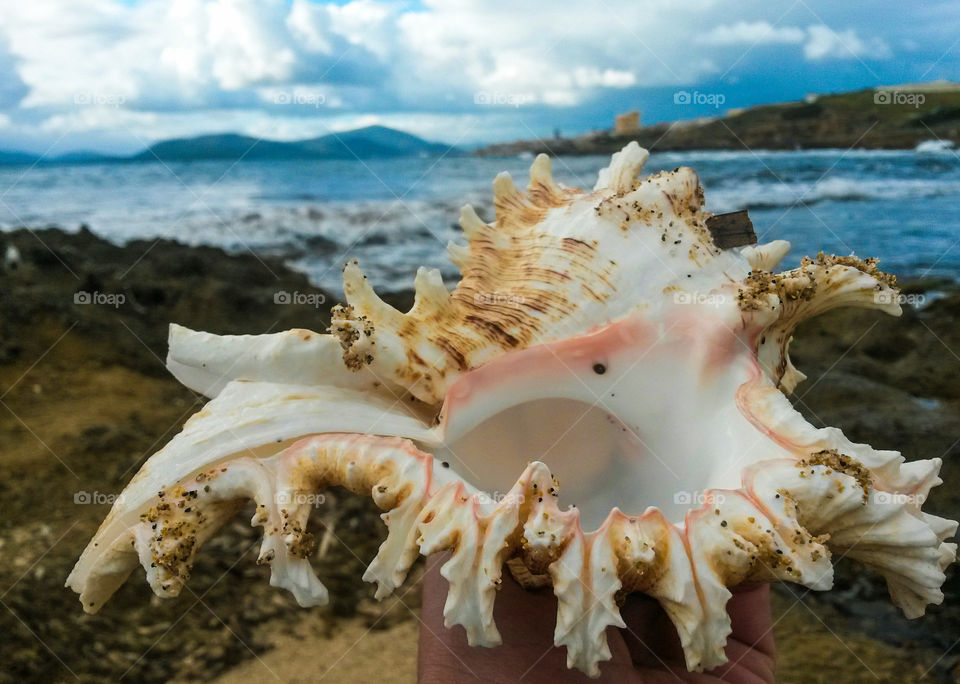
(881, 202)
(667, 159)
(935, 147)
(771, 195)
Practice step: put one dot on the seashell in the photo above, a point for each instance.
(598, 339)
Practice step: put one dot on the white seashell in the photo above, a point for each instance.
(595, 336)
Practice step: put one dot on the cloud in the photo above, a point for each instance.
(176, 67)
(12, 88)
(819, 41)
(753, 33)
(84, 63)
(823, 42)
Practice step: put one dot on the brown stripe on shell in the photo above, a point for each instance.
(519, 280)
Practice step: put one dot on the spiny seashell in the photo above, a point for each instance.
(597, 337)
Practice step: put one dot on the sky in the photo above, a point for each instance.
(115, 76)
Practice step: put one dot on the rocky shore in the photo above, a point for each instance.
(865, 119)
(85, 399)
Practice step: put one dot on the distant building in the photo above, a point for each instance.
(627, 123)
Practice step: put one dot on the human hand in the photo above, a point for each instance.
(647, 651)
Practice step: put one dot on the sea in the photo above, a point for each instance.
(394, 215)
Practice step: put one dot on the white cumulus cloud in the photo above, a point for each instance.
(823, 42)
(750, 33)
(156, 68)
(819, 41)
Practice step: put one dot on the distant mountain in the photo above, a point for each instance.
(372, 141)
(83, 156)
(17, 158)
(365, 143)
(224, 146)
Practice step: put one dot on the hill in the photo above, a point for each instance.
(364, 143)
(892, 117)
(13, 158)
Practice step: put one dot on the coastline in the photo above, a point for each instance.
(88, 399)
(860, 119)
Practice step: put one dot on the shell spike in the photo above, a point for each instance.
(459, 254)
(506, 196)
(431, 293)
(776, 304)
(765, 257)
(361, 295)
(540, 172)
(624, 170)
(473, 226)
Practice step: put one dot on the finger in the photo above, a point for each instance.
(654, 644)
(750, 617)
(650, 636)
(526, 622)
(750, 649)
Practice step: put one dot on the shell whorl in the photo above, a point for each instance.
(556, 262)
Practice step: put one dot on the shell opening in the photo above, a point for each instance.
(596, 457)
(657, 428)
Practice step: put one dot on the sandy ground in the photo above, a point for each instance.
(354, 652)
